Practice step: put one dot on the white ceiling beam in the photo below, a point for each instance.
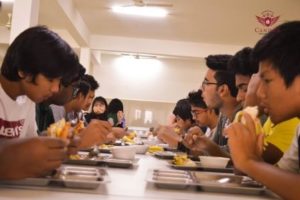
(25, 15)
(159, 47)
(75, 18)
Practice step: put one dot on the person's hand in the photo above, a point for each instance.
(200, 144)
(73, 145)
(31, 157)
(168, 135)
(191, 136)
(245, 145)
(110, 138)
(95, 133)
(118, 132)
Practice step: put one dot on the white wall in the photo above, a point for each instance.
(171, 82)
(3, 49)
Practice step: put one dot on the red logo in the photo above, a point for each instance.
(11, 129)
(267, 19)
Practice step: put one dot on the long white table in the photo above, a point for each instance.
(125, 184)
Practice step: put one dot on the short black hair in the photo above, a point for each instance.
(84, 88)
(195, 99)
(91, 80)
(183, 110)
(228, 78)
(66, 81)
(100, 99)
(38, 50)
(102, 116)
(217, 62)
(242, 63)
(281, 47)
(115, 105)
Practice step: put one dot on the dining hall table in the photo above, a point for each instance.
(124, 184)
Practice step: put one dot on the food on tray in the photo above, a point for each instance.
(62, 129)
(75, 157)
(155, 148)
(183, 160)
(78, 127)
(253, 112)
(131, 135)
(59, 129)
(105, 146)
(129, 138)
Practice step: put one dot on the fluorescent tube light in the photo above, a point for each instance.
(7, 1)
(140, 11)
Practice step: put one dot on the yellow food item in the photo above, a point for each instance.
(78, 127)
(75, 157)
(127, 139)
(155, 148)
(177, 130)
(59, 129)
(131, 135)
(105, 146)
(183, 160)
(253, 112)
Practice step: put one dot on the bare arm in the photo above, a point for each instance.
(279, 181)
(30, 157)
(246, 149)
(196, 141)
(95, 133)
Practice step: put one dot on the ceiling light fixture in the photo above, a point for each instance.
(145, 11)
(7, 1)
(139, 56)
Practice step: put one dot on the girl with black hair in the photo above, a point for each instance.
(99, 110)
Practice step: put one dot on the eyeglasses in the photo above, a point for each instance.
(197, 112)
(206, 82)
(75, 91)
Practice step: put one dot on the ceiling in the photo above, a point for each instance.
(193, 23)
(212, 21)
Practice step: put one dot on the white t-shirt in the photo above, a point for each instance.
(17, 117)
(290, 160)
(210, 133)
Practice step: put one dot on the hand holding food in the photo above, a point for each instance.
(169, 136)
(63, 130)
(60, 129)
(32, 157)
(192, 135)
(243, 142)
(253, 112)
(95, 133)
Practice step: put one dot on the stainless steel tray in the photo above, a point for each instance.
(84, 159)
(165, 155)
(107, 160)
(120, 163)
(172, 179)
(229, 183)
(205, 181)
(70, 177)
(199, 167)
(171, 149)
